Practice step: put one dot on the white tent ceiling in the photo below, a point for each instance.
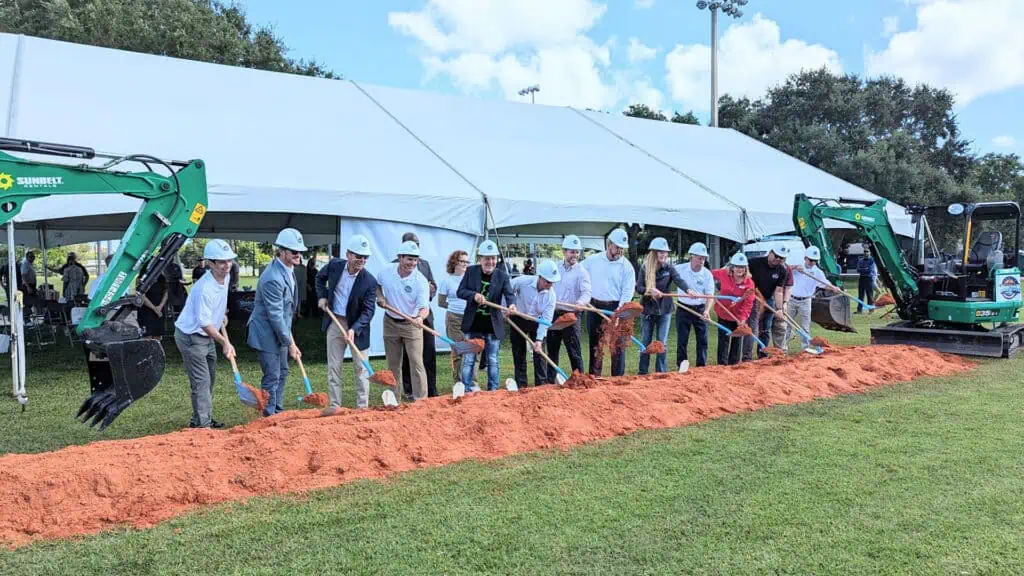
(284, 148)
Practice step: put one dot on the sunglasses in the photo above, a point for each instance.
(359, 257)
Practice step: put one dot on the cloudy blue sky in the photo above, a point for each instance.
(608, 54)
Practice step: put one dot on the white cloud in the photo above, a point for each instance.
(643, 4)
(751, 58)
(890, 25)
(638, 51)
(484, 46)
(641, 92)
(1004, 141)
(971, 47)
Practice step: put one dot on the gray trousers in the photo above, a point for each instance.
(199, 354)
(800, 310)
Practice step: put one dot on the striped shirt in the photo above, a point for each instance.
(574, 287)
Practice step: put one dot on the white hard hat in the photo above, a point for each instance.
(738, 259)
(659, 244)
(781, 250)
(572, 242)
(359, 245)
(813, 253)
(218, 250)
(619, 238)
(291, 239)
(487, 248)
(548, 271)
(409, 248)
(699, 249)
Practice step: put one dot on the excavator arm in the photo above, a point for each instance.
(123, 366)
(871, 219)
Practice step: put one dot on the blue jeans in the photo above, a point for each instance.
(275, 372)
(647, 327)
(491, 345)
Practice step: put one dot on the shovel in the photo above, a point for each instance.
(560, 377)
(791, 322)
(836, 291)
(246, 394)
(384, 377)
(603, 314)
(319, 399)
(464, 347)
(541, 321)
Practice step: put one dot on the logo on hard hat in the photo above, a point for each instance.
(363, 244)
(6, 181)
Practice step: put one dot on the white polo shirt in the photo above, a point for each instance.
(804, 287)
(409, 295)
(700, 282)
(611, 281)
(206, 305)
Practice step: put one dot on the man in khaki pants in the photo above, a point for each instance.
(347, 290)
(402, 287)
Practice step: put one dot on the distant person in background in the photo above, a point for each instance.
(312, 310)
(300, 287)
(151, 314)
(27, 283)
(866, 273)
(233, 277)
(447, 298)
(528, 269)
(176, 293)
(198, 271)
(74, 276)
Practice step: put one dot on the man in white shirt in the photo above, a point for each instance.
(535, 296)
(573, 288)
(402, 286)
(699, 279)
(197, 331)
(806, 281)
(612, 282)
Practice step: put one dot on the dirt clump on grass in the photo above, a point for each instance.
(316, 399)
(384, 378)
(885, 300)
(139, 482)
(820, 342)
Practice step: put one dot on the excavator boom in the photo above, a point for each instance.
(123, 366)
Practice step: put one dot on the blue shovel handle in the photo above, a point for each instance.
(639, 344)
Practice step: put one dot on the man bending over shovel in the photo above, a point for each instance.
(612, 281)
(535, 296)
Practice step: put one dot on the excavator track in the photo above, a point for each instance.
(1000, 342)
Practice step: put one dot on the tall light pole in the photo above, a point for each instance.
(531, 90)
(730, 8)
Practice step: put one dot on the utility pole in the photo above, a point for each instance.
(729, 7)
(531, 90)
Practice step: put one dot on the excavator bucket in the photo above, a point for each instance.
(832, 313)
(123, 367)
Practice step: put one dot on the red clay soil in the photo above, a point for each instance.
(262, 397)
(656, 347)
(628, 311)
(615, 335)
(86, 489)
(564, 321)
(742, 330)
(316, 399)
(385, 378)
(476, 343)
(820, 342)
(885, 300)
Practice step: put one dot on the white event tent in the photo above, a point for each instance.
(334, 157)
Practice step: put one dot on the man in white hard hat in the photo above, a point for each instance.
(806, 282)
(612, 281)
(573, 288)
(698, 277)
(770, 275)
(197, 331)
(401, 286)
(346, 289)
(484, 281)
(270, 324)
(535, 296)
(429, 345)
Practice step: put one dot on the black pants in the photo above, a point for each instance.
(540, 366)
(573, 347)
(429, 362)
(595, 328)
(685, 321)
(865, 291)
(729, 355)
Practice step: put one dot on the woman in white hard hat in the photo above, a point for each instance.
(270, 324)
(699, 278)
(656, 276)
(197, 331)
(733, 280)
(805, 283)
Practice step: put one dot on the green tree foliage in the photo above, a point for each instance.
(204, 30)
(645, 111)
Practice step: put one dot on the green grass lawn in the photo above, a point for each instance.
(917, 478)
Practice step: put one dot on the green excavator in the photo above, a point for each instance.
(123, 366)
(964, 300)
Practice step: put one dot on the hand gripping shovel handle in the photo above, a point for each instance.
(352, 345)
(603, 314)
(761, 345)
(840, 293)
(789, 320)
(701, 316)
(542, 355)
(517, 313)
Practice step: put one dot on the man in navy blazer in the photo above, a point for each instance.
(484, 281)
(347, 290)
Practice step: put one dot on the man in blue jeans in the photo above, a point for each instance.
(482, 282)
(270, 325)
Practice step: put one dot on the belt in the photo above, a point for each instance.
(800, 297)
(393, 319)
(604, 303)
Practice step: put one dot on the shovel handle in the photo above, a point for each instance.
(352, 345)
(838, 292)
(788, 319)
(516, 313)
(602, 313)
(410, 319)
(542, 354)
(234, 365)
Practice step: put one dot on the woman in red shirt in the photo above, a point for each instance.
(733, 280)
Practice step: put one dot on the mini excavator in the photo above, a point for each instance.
(123, 366)
(966, 302)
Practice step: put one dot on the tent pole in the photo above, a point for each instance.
(16, 322)
(46, 269)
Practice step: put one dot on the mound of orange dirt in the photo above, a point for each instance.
(885, 300)
(86, 489)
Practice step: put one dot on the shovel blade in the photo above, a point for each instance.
(463, 348)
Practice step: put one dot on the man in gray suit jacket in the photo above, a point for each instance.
(270, 325)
